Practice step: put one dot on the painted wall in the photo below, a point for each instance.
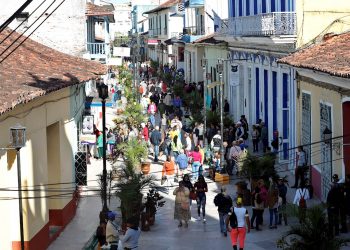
(62, 111)
(333, 99)
(316, 18)
(68, 19)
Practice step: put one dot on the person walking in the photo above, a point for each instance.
(301, 166)
(335, 198)
(187, 183)
(264, 136)
(255, 138)
(100, 146)
(176, 146)
(182, 204)
(282, 192)
(132, 235)
(300, 198)
(197, 159)
(182, 162)
(224, 204)
(156, 139)
(258, 209)
(169, 170)
(237, 224)
(272, 203)
(201, 188)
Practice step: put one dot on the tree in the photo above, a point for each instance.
(311, 234)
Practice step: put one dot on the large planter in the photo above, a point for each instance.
(145, 167)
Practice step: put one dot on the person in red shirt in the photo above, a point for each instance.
(145, 132)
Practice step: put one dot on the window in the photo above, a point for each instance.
(273, 6)
(247, 7)
(255, 7)
(240, 7)
(263, 6)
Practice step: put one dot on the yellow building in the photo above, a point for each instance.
(42, 90)
(323, 104)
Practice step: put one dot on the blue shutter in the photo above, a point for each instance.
(257, 94)
(274, 99)
(247, 7)
(240, 7)
(283, 5)
(263, 3)
(266, 97)
(273, 6)
(255, 7)
(233, 8)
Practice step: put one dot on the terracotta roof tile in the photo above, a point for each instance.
(163, 6)
(34, 70)
(99, 10)
(207, 39)
(331, 56)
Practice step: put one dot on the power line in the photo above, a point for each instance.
(21, 35)
(32, 32)
(26, 18)
(19, 11)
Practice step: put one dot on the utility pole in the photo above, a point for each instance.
(220, 69)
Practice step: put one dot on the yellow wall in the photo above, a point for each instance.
(314, 17)
(319, 94)
(36, 116)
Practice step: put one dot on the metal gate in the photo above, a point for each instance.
(81, 166)
(326, 150)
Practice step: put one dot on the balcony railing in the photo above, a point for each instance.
(96, 48)
(154, 32)
(193, 30)
(176, 35)
(267, 24)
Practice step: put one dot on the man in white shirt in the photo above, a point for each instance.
(112, 231)
(236, 223)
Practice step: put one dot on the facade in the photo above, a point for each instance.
(258, 33)
(38, 94)
(122, 17)
(323, 87)
(164, 23)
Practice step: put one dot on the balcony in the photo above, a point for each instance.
(192, 33)
(154, 32)
(98, 50)
(176, 35)
(267, 24)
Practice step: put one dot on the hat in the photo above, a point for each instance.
(111, 215)
(239, 200)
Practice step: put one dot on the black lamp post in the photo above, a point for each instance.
(18, 140)
(103, 94)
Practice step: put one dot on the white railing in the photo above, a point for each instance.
(177, 35)
(96, 48)
(267, 24)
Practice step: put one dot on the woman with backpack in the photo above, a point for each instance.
(237, 224)
(300, 198)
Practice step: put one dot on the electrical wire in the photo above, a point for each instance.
(31, 33)
(23, 22)
(21, 35)
(9, 20)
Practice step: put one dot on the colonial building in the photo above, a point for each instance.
(322, 106)
(43, 90)
(258, 33)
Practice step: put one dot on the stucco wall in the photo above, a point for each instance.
(332, 98)
(64, 30)
(55, 108)
(317, 17)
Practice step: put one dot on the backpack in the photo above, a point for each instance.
(233, 220)
(302, 201)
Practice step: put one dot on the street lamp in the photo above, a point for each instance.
(205, 81)
(220, 69)
(103, 95)
(18, 140)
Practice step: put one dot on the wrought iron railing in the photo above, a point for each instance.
(267, 24)
(193, 30)
(177, 35)
(96, 48)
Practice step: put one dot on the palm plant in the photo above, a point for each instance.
(134, 152)
(311, 234)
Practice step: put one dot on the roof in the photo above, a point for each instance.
(34, 70)
(207, 39)
(331, 56)
(163, 6)
(99, 10)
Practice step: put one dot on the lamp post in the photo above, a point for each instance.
(103, 95)
(220, 69)
(18, 140)
(205, 81)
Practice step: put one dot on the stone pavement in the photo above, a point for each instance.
(165, 235)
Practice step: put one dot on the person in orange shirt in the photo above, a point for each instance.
(169, 170)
